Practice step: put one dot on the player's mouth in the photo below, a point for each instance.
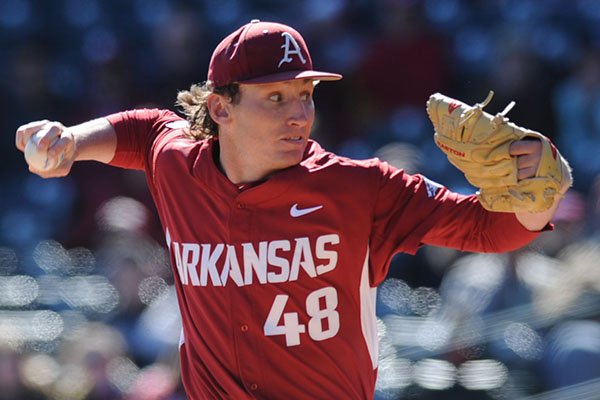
(294, 139)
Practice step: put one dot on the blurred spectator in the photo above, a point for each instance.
(516, 75)
(404, 62)
(572, 354)
(577, 108)
(11, 383)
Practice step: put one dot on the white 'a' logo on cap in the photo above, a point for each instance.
(290, 41)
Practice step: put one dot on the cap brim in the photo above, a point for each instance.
(289, 75)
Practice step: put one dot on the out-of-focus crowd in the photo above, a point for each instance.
(87, 306)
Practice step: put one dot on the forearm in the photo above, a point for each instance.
(59, 147)
(94, 140)
(465, 225)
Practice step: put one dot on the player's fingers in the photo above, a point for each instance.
(52, 133)
(47, 174)
(525, 173)
(527, 165)
(529, 154)
(24, 132)
(58, 172)
(522, 147)
(61, 149)
(528, 161)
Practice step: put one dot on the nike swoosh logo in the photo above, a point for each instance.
(296, 212)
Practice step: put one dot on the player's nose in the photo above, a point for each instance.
(300, 113)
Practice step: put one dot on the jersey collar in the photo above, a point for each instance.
(206, 169)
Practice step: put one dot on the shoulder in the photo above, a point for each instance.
(371, 172)
(144, 115)
(318, 158)
(172, 134)
(175, 153)
(341, 171)
(170, 119)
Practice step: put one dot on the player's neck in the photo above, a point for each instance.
(239, 170)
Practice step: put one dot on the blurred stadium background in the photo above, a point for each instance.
(87, 308)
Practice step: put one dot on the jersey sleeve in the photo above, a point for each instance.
(139, 133)
(411, 210)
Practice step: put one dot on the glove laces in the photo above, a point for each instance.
(477, 109)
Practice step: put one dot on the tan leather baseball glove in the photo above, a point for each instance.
(478, 144)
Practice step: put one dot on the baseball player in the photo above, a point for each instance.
(277, 245)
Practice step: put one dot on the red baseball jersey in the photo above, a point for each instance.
(276, 282)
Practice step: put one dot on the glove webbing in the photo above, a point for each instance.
(477, 110)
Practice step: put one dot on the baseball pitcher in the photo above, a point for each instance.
(277, 245)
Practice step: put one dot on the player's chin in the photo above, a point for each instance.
(290, 158)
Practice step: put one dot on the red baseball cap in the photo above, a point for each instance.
(263, 52)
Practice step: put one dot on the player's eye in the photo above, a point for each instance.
(306, 96)
(276, 97)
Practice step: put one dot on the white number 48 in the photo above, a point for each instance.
(291, 327)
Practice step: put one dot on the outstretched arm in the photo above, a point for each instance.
(91, 140)
(516, 169)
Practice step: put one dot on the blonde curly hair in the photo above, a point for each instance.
(193, 103)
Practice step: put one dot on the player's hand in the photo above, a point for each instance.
(57, 140)
(529, 155)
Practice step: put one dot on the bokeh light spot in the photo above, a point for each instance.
(90, 293)
(18, 290)
(434, 374)
(523, 340)
(122, 214)
(51, 257)
(482, 374)
(150, 288)
(395, 294)
(40, 370)
(122, 373)
(425, 300)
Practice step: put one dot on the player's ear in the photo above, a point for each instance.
(219, 108)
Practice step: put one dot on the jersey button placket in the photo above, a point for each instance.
(240, 231)
(240, 221)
